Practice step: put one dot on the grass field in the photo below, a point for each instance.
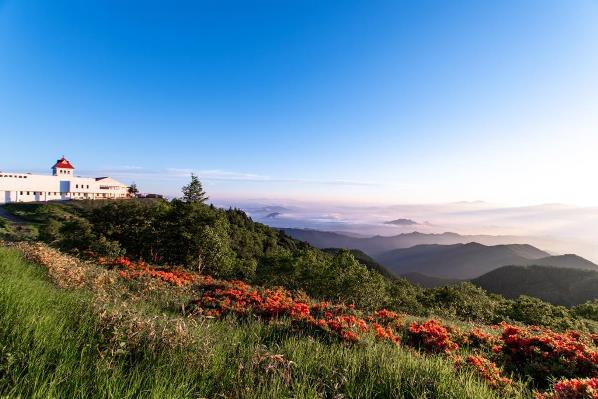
(64, 343)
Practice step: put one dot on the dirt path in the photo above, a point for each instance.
(4, 214)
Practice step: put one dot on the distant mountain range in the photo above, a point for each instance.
(430, 259)
(273, 215)
(402, 222)
(377, 245)
(467, 261)
(561, 286)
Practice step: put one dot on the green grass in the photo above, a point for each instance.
(52, 345)
(38, 212)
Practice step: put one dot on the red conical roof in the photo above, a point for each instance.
(63, 163)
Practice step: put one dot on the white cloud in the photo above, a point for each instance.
(136, 172)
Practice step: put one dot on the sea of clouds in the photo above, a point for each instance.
(556, 228)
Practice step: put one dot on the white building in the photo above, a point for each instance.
(61, 185)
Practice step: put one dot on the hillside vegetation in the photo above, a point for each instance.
(180, 299)
(228, 244)
(553, 284)
(120, 328)
(103, 335)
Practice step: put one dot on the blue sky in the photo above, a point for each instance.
(342, 101)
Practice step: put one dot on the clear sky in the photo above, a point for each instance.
(369, 101)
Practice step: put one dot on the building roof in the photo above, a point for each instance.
(63, 163)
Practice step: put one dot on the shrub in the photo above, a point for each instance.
(588, 310)
(534, 311)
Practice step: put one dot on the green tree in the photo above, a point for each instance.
(215, 257)
(193, 192)
(133, 190)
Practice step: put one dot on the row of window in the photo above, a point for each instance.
(54, 193)
(37, 193)
(19, 176)
(82, 186)
(64, 172)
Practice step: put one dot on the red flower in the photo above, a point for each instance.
(488, 371)
(573, 389)
(432, 336)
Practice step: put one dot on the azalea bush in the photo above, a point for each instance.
(535, 352)
(432, 336)
(343, 321)
(572, 389)
(130, 270)
(488, 371)
(507, 357)
(543, 354)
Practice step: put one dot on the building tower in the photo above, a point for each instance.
(62, 167)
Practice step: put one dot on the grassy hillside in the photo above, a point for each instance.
(556, 285)
(105, 336)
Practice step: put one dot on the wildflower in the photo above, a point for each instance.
(573, 389)
(432, 336)
(489, 371)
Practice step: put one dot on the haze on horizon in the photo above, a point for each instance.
(342, 102)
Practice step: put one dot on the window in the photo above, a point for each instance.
(88, 186)
(27, 192)
(21, 193)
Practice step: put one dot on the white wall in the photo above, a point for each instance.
(24, 187)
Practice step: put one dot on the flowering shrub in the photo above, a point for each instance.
(542, 353)
(133, 270)
(477, 338)
(489, 371)
(387, 315)
(336, 320)
(533, 352)
(573, 389)
(431, 336)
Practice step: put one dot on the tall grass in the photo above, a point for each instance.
(52, 345)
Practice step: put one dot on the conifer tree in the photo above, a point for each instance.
(133, 190)
(193, 192)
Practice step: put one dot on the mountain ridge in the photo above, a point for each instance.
(557, 285)
(471, 260)
(379, 244)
